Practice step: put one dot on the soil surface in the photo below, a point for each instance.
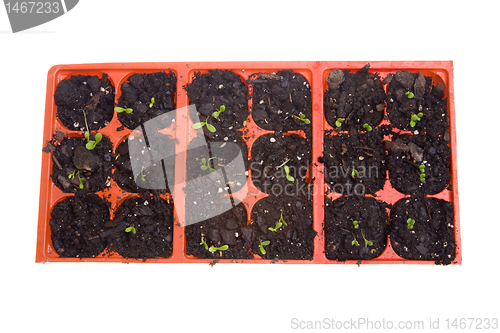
(229, 228)
(357, 98)
(76, 223)
(278, 100)
(94, 166)
(427, 99)
(271, 153)
(293, 240)
(211, 90)
(340, 229)
(152, 218)
(407, 152)
(358, 158)
(137, 92)
(432, 235)
(85, 99)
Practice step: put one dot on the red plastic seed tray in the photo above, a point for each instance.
(314, 71)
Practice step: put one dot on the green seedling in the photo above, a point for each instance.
(355, 223)
(339, 122)
(354, 241)
(222, 248)
(415, 118)
(410, 223)
(409, 94)
(210, 127)
(245, 123)
(421, 168)
(303, 118)
(218, 112)
(81, 179)
(98, 136)
(367, 127)
(204, 243)
(262, 244)
(354, 171)
(279, 224)
(152, 102)
(143, 175)
(120, 110)
(287, 170)
(205, 165)
(131, 229)
(367, 242)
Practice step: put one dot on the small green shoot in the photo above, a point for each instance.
(92, 143)
(204, 243)
(355, 223)
(279, 224)
(72, 175)
(152, 102)
(287, 170)
(120, 110)
(410, 223)
(81, 179)
(354, 241)
(354, 171)
(409, 94)
(245, 123)
(210, 127)
(131, 229)
(206, 166)
(367, 242)
(262, 244)
(222, 248)
(421, 168)
(367, 127)
(415, 118)
(143, 175)
(339, 122)
(218, 112)
(303, 118)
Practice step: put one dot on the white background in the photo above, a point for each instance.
(95, 297)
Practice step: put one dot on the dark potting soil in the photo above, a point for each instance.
(427, 99)
(341, 232)
(271, 153)
(229, 228)
(85, 99)
(355, 162)
(432, 235)
(356, 98)
(295, 238)
(137, 92)
(76, 223)
(72, 157)
(407, 152)
(211, 90)
(149, 177)
(152, 218)
(279, 100)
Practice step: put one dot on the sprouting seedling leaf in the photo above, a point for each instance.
(204, 243)
(287, 172)
(303, 118)
(210, 127)
(262, 244)
(354, 171)
(72, 175)
(355, 223)
(120, 110)
(354, 241)
(279, 224)
(92, 143)
(152, 102)
(205, 165)
(143, 175)
(218, 112)
(245, 123)
(222, 248)
(367, 242)
(367, 127)
(410, 223)
(414, 118)
(339, 122)
(409, 94)
(421, 168)
(81, 179)
(131, 229)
